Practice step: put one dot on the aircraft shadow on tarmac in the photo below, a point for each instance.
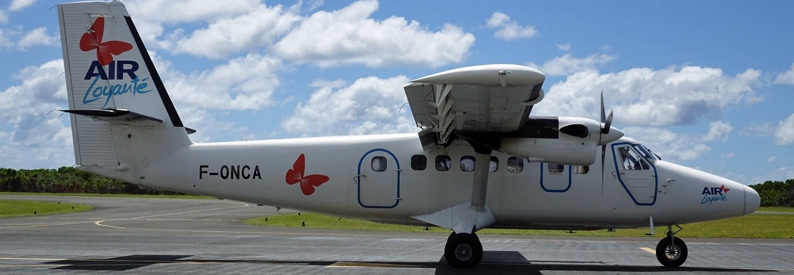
(501, 262)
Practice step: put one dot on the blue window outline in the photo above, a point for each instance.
(358, 179)
(617, 171)
(555, 190)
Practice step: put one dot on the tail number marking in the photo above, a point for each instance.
(231, 172)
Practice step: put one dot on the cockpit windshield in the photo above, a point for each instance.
(646, 153)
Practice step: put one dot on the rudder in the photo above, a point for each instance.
(114, 90)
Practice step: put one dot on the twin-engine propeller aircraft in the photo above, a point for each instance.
(480, 159)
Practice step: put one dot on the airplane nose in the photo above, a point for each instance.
(751, 200)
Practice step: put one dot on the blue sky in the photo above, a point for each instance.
(707, 84)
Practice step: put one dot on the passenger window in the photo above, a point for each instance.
(467, 163)
(494, 164)
(579, 169)
(443, 163)
(418, 162)
(379, 164)
(556, 168)
(515, 165)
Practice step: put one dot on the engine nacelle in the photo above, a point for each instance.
(560, 140)
(566, 150)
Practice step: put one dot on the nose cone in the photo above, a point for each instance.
(613, 135)
(751, 200)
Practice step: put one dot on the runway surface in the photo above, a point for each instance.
(177, 236)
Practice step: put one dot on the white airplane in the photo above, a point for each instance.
(480, 159)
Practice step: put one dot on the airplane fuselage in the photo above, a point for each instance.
(537, 195)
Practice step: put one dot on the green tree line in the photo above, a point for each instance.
(71, 180)
(68, 180)
(776, 193)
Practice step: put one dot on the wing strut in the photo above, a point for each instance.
(480, 180)
(470, 216)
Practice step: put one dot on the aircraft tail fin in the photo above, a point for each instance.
(120, 111)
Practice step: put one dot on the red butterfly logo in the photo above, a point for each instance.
(724, 189)
(308, 183)
(92, 40)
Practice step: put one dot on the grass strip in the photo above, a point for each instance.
(18, 208)
(199, 197)
(750, 226)
(776, 209)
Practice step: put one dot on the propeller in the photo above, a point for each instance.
(607, 121)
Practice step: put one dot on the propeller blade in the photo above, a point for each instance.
(603, 115)
(603, 154)
(605, 130)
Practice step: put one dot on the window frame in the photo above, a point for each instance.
(381, 160)
(414, 163)
(518, 165)
(443, 159)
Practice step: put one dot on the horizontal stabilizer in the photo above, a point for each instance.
(117, 116)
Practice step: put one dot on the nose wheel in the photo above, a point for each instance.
(671, 251)
(463, 250)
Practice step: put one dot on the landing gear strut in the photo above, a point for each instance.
(463, 250)
(671, 251)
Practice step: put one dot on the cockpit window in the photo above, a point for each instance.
(631, 160)
(647, 154)
(653, 153)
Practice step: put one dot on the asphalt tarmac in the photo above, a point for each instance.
(179, 236)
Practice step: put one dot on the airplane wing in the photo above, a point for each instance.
(479, 99)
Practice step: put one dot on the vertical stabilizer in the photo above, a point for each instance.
(114, 90)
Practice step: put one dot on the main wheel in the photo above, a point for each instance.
(671, 254)
(463, 250)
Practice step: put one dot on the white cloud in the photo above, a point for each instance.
(10, 38)
(784, 135)
(43, 88)
(38, 36)
(180, 11)
(728, 155)
(758, 130)
(508, 29)
(781, 174)
(17, 5)
(151, 15)
(567, 64)
(3, 17)
(38, 136)
(647, 97)
(564, 47)
(786, 77)
(5, 40)
(345, 36)
(246, 32)
(350, 36)
(771, 158)
(669, 145)
(497, 19)
(368, 106)
(243, 83)
(718, 130)
(314, 4)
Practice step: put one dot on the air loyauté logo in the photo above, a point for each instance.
(116, 70)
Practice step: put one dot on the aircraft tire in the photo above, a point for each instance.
(463, 250)
(671, 254)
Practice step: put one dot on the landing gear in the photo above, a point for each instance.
(463, 250)
(671, 251)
